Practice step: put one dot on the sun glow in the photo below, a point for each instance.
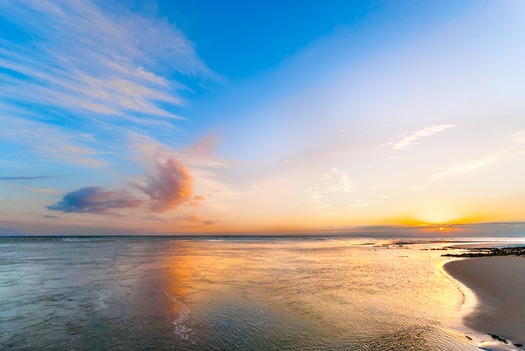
(438, 216)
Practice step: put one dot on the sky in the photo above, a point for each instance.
(210, 117)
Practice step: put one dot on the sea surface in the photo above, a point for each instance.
(140, 293)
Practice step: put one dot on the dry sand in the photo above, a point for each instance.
(499, 285)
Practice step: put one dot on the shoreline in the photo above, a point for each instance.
(498, 284)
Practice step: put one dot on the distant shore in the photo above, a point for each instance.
(499, 285)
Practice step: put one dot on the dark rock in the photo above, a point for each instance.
(483, 252)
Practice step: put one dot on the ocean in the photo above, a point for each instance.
(284, 293)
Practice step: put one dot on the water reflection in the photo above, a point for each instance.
(135, 294)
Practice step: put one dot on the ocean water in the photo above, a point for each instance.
(225, 294)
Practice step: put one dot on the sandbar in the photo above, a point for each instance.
(499, 285)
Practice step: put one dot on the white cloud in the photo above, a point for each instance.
(466, 167)
(357, 205)
(513, 149)
(405, 141)
(334, 181)
(98, 61)
(52, 142)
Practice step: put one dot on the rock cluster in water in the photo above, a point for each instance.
(483, 252)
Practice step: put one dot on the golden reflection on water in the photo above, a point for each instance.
(325, 290)
(234, 294)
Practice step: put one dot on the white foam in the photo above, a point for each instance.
(179, 323)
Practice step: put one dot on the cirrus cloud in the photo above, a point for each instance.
(405, 141)
(95, 60)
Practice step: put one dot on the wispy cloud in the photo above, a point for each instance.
(462, 168)
(45, 191)
(357, 205)
(210, 222)
(513, 149)
(97, 60)
(26, 178)
(407, 140)
(195, 220)
(467, 167)
(334, 181)
(52, 142)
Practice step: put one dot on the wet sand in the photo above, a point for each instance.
(499, 285)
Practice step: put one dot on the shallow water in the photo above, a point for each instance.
(232, 294)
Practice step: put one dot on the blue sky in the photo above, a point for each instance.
(186, 116)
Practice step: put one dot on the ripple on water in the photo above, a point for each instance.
(215, 295)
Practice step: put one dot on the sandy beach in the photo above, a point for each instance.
(499, 285)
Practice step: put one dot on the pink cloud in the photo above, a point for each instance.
(206, 145)
(170, 187)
